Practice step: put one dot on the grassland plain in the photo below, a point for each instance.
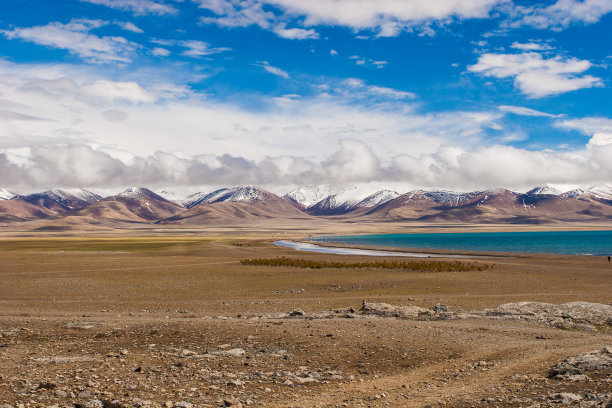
(169, 316)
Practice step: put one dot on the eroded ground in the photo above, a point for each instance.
(127, 321)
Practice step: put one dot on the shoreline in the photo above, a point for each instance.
(350, 250)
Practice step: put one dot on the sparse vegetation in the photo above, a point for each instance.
(417, 266)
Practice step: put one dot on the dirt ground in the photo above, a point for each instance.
(166, 319)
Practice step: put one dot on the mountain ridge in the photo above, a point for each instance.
(247, 203)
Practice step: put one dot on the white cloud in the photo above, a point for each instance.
(126, 25)
(560, 14)
(295, 33)
(369, 62)
(352, 162)
(138, 7)
(588, 126)
(531, 46)
(388, 18)
(74, 128)
(195, 48)
(536, 76)
(76, 38)
(520, 110)
(333, 52)
(112, 91)
(235, 13)
(357, 84)
(273, 70)
(160, 52)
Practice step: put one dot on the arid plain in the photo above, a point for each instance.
(170, 317)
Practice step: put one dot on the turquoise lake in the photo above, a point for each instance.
(550, 242)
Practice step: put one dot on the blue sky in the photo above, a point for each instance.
(458, 94)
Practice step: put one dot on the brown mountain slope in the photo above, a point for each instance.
(133, 205)
(17, 211)
(491, 206)
(240, 205)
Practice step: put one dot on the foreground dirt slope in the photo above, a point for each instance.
(173, 321)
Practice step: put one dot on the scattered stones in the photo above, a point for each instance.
(565, 398)
(573, 315)
(235, 352)
(575, 368)
(232, 401)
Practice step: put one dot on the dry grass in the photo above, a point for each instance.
(421, 266)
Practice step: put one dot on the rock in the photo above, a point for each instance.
(235, 352)
(573, 315)
(124, 352)
(574, 368)
(304, 380)
(387, 310)
(235, 383)
(297, 312)
(94, 404)
(188, 353)
(565, 398)
(232, 401)
(183, 404)
(440, 307)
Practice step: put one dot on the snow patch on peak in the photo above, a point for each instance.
(74, 193)
(604, 192)
(134, 192)
(248, 194)
(5, 194)
(308, 195)
(342, 201)
(378, 198)
(244, 194)
(544, 190)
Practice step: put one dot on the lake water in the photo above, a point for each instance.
(551, 242)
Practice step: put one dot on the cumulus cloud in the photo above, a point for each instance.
(138, 7)
(352, 162)
(295, 33)
(63, 126)
(560, 14)
(388, 18)
(273, 70)
(535, 75)
(531, 46)
(76, 38)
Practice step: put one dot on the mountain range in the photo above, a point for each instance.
(244, 204)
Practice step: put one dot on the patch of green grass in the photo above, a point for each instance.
(95, 245)
(417, 266)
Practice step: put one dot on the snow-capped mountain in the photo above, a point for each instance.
(378, 198)
(449, 198)
(241, 194)
(349, 199)
(308, 195)
(5, 194)
(544, 190)
(597, 193)
(172, 196)
(61, 200)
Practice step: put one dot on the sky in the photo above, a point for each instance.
(183, 94)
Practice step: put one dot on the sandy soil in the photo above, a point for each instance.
(171, 318)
